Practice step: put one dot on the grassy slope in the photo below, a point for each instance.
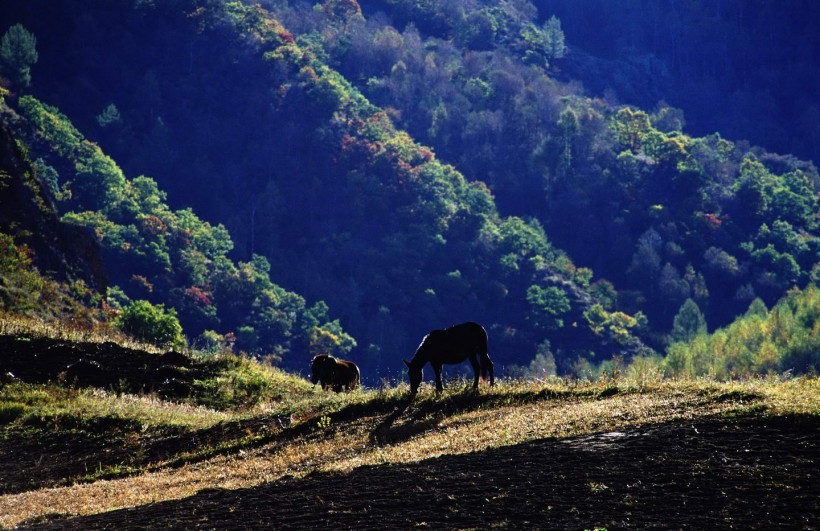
(78, 453)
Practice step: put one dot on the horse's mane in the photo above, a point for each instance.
(426, 338)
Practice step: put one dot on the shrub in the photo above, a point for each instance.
(152, 324)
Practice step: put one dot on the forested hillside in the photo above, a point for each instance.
(746, 69)
(120, 249)
(664, 215)
(401, 166)
(34, 241)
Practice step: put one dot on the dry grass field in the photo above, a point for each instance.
(610, 454)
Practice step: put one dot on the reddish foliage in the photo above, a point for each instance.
(184, 237)
(348, 142)
(109, 310)
(426, 154)
(154, 225)
(285, 36)
(142, 282)
(713, 220)
(199, 296)
(357, 150)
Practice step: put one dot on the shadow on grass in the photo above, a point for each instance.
(711, 472)
(89, 453)
(118, 449)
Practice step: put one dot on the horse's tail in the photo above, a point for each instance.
(485, 362)
(486, 366)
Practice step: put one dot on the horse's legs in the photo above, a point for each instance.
(476, 370)
(487, 365)
(437, 370)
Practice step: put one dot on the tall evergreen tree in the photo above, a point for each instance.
(18, 52)
(688, 323)
(555, 45)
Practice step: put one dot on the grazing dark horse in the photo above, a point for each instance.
(466, 341)
(335, 373)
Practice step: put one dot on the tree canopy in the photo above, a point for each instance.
(404, 166)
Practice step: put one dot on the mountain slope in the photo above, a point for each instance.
(49, 269)
(167, 257)
(25, 211)
(662, 214)
(310, 147)
(345, 207)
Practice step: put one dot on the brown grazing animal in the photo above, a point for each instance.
(466, 341)
(335, 373)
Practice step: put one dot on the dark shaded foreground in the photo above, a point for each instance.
(718, 473)
(105, 365)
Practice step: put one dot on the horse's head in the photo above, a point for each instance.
(321, 367)
(414, 372)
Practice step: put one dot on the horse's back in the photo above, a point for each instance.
(455, 344)
(352, 373)
(469, 335)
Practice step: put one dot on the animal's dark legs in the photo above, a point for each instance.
(487, 367)
(437, 369)
(476, 370)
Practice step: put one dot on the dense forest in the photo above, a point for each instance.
(746, 69)
(343, 177)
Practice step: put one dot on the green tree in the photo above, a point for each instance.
(646, 262)
(478, 30)
(667, 119)
(543, 44)
(18, 52)
(109, 116)
(616, 324)
(330, 339)
(20, 284)
(757, 308)
(568, 124)
(542, 365)
(630, 127)
(151, 323)
(688, 323)
(341, 11)
(548, 306)
(554, 38)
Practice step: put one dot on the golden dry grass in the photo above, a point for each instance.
(396, 431)
(145, 409)
(13, 324)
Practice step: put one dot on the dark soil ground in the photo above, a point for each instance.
(752, 472)
(105, 365)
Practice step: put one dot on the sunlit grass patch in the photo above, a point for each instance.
(145, 409)
(783, 396)
(56, 407)
(241, 383)
(23, 326)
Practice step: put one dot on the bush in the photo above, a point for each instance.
(152, 324)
